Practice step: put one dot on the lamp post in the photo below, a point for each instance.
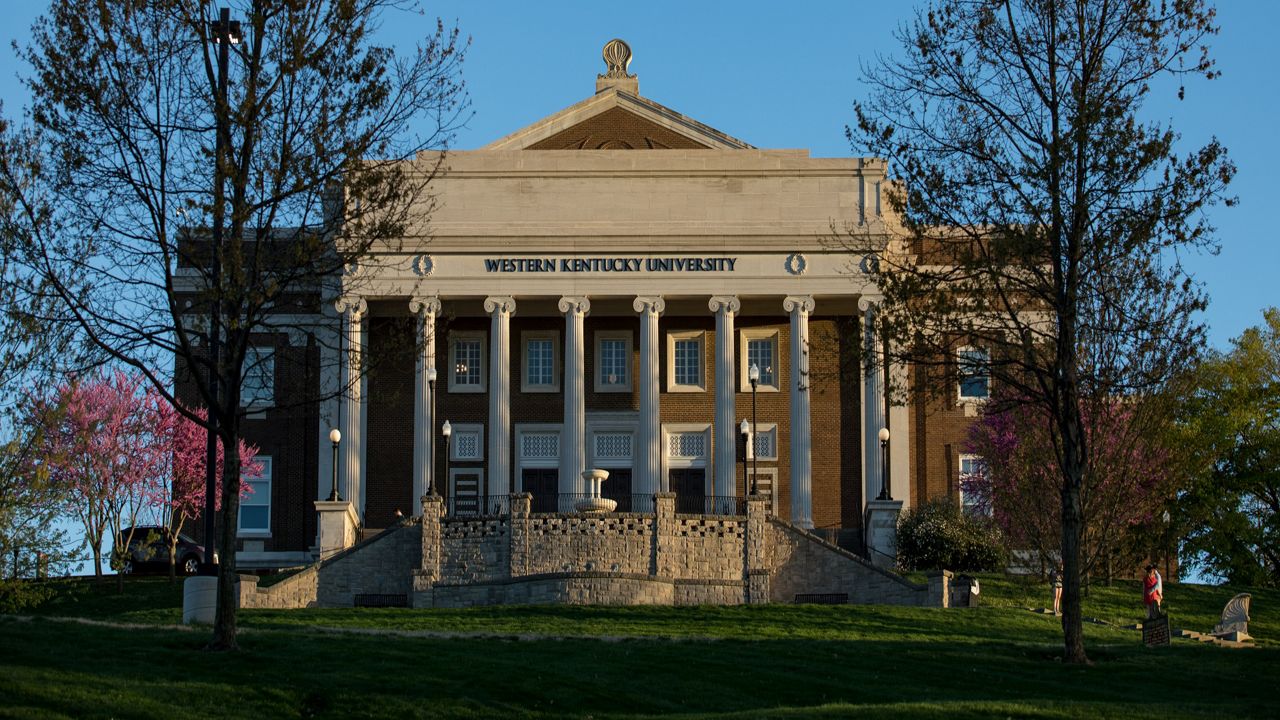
(446, 430)
(431, 446)
(335, 437)
(745, 430)
(224, 32)
(884, 464)
(753, 375)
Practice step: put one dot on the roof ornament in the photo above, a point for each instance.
(617, 56)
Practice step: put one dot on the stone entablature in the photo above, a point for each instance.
(614, 559)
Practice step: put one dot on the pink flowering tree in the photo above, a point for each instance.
(104, 444)
(179, 496)
(1131, 474)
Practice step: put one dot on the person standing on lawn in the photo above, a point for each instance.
(1153, 592)
(1055, 579)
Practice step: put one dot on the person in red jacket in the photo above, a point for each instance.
(1153, 592)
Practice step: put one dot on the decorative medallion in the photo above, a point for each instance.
(796, 264)
(423, 265)
(617, 56)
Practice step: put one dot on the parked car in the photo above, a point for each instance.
(149, 551)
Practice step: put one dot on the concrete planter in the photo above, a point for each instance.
(199, 599)
(595, 503)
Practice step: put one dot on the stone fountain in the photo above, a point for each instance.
(593, 503)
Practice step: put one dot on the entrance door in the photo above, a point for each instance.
(690, 487)
(618, 487)
(544, 485)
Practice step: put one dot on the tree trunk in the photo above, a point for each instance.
(173, 551)
(224, 622)
(1072, 527)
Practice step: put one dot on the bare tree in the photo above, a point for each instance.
(1043, 222)
(181, 211)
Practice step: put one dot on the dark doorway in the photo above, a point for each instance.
(544, 485)
(618, 487)
(690, 487)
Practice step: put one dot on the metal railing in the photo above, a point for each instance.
(710, 505)
(568, 502)
(477, 506)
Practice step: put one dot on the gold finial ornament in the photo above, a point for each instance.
(617, 56)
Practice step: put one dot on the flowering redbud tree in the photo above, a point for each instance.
(1129, 480)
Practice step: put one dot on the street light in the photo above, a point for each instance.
(753, 375)
(224, 32)
(745, 430)
(431, 423)
(335, 437)
(446, 430)
(884, 464)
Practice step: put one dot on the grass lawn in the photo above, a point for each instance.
(770, 661)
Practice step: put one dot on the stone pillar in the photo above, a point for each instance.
(335, 527)
(801, 441)
(425, 578)
(573, 452)
(353, 309)
(649, 440)
(426, 308)
(726, 428)
(500, 310)
(521, 504)
(872, 402)
(755, 552)
(665, 553)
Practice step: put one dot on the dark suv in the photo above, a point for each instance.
(149, 551)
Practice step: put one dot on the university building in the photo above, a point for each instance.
(593, 291)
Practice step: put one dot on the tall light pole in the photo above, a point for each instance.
(745, 431)
(446, 430)
(335, 437)
(224, 32)
(753, 375)
(431, 423)
(884, 464)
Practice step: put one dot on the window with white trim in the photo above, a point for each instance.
(972, 468)
(258, 388)
(613, 362)
(759, 346)
(540, 358)
(466, 362)
(466, 444)
(973, 365)
(765, 445)
(685, 372)
(255, 506)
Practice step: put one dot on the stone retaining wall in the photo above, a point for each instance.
(615, 559)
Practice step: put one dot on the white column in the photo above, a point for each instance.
(426, 308)
(353, 309)
(726, 428)
(500, 310)
(873, 401)
(649, 441)
(573, 449)
(801, 441)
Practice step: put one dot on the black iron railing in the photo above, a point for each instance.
(710, 505)
(568, 502)
(477, 506)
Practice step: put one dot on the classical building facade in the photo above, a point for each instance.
(593, 291)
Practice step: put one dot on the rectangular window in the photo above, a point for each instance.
(255, 507)
(258, 387)
(759, 348)
(540, 362)
(467, 442)
(975, 374)
(972, 469)
(613, 360)
(466, 363)
(686, 371)
(766, 443)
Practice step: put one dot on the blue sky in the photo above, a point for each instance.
(785, 75)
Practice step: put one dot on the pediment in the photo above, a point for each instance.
(616, 120)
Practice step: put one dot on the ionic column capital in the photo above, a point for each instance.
(649, 304)
(803, 303)
(500, 304)
(726, 303)
(355, 305)
(575, 305)
(869, 302)
(429, 305)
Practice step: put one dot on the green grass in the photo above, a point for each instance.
(769, 661)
